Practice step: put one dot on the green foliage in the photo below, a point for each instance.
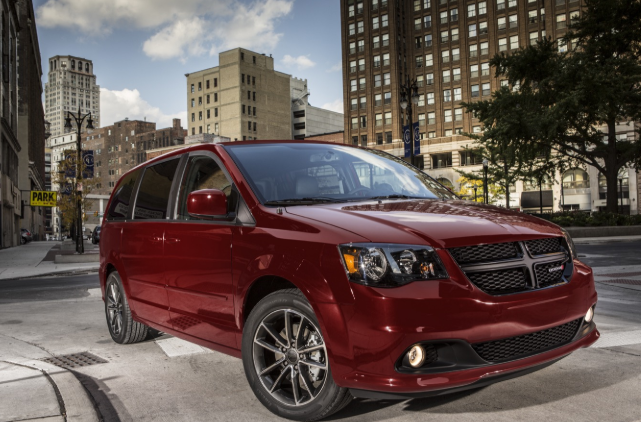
(597, 219)
(567, 105)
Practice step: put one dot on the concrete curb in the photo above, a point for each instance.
(77, 404)
(76, 259)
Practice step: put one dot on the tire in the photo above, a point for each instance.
(122, 327)
(302, 367)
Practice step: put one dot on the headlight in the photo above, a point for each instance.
(568, 240)
(390, 265)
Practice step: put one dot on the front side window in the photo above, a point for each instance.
(153, 196)
(203, 172)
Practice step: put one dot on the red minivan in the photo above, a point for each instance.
(337, 272)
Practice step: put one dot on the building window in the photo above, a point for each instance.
(560, 21)
(458, 96)
(386, 60)
(456, 74)
(428, 40)
(193, 117)
(514, 42)
(486, 89)
(361, 65)
(454, 15)
(448, 116)
(363, 103)
(387, 98)
(473, 50)
(377, 81)
(429, 79)
(482, 28)
(532, 16)
(456, 54)
(445, 37)
(430, 98)
(427, 22)
(429, 60)
(513, 19)
(388, 137)
(421, 119)
(388, 118)
(442, 161)
(419, 61)
(485, 69)
(385, 40)
(379, 139)
(472, 30)
(482, 8)
(375, 22)
(446, 76)
(354, 104)
(443, 18)
(471, 10)
(363, 121)
(458, 114)
(208, 98)
(378, 100)
(502, 44)
(502, 23)
(360, 27)
(431, 118)
(500, 4)
(447, 95)
(353, 86)
(378, 119)
(384, 21)
(192, 88)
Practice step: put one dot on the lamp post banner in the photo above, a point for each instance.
(70, 160)
(407, 141)
(87, 158)
(417, 140)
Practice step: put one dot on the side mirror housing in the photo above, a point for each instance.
(207, 203)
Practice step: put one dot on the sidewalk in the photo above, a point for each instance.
(37, 259)
(24, 376)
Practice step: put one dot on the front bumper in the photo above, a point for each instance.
(382, 324)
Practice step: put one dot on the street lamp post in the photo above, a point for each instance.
(475, 188)
(486, 197)
(409, 96)
(79, 118)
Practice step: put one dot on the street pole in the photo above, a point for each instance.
(541, 195)
(79, 119)
(409, 96)
(486, 197)
(475, 188)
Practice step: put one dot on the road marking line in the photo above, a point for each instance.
(174, 347)
(618, 338)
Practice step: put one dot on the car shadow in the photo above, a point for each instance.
(583, 372)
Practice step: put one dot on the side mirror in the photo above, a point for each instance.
(207, 203)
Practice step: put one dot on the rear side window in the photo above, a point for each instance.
(122, 197)
(153, 195)
(204, 173)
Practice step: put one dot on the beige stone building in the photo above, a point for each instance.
(243, 98)
(71, 85)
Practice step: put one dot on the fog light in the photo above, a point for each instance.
(416, 356)
(589, 315)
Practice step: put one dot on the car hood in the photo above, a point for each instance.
(443, 224)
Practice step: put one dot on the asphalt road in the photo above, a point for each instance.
(165, 380)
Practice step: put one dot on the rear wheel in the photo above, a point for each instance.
(122, 327)
(285, 359)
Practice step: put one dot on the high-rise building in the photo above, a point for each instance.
(71, 86)
(245, 98)
(446, 46)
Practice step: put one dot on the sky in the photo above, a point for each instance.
(142, 49)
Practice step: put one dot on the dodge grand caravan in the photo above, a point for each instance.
(336, 272)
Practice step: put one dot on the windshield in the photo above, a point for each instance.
(310, 173)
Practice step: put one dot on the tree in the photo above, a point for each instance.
(68, 196)
(569, 103)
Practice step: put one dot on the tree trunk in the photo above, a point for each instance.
(612, 171)
(507, 185)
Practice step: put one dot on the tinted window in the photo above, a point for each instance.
(122, 196)
(203, 172)
(153, 195)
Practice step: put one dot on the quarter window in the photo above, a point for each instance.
(153, 196)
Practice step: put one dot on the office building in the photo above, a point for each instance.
(446, 46)
(71, 86)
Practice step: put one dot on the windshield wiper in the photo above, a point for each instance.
(398, 197)
(303, 201)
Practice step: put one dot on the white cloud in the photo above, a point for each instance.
(183, 37)
(302, 62)
(116, 105)
(336, 68)
(182, 28)
(336, 106)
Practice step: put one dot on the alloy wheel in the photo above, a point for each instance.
(114, 308)
(290, 357)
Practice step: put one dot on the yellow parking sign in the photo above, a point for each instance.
(43, 198)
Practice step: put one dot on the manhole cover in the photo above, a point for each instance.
(75, 360)
(623, 281)
(619, 274)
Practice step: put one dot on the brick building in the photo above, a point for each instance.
(446, 46)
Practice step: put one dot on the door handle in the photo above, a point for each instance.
(156, 239)
(172, 240)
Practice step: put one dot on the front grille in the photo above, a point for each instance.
(430, 354)
(528, 344)
(480, 253)
(544, 246)
(547, 278)
(501, 282)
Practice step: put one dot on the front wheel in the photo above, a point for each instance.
(285, 359)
